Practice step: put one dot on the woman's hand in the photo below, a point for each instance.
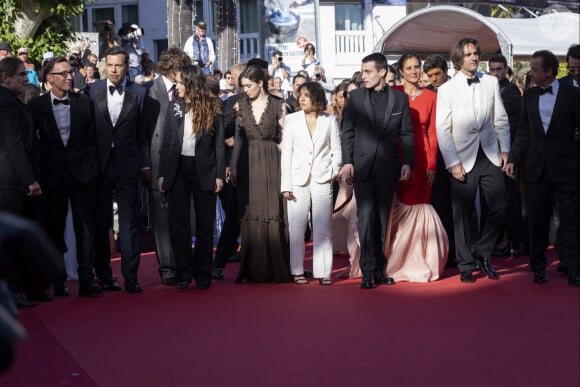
(289, 195)
(219, 184)
(430, 177)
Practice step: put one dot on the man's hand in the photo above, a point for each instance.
(219, 184)
(34, 189)
(228, 174)
(160, 184)
(457, 172)
(230, 141)
(346, 173)
(405, 172)
(509, 170)
(430, 177)
(503, 159)
(289, 195)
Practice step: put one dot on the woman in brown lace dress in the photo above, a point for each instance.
(256, 173)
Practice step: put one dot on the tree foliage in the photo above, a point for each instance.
(39, 25)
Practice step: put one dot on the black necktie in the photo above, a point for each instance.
(61, 101)
(119, 88)
(546, 90)
(472, 80)
(173, 93)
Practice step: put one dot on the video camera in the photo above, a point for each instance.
(136, 33)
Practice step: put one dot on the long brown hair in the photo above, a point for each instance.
(198, 101)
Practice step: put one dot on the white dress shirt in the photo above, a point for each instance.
(169, 86)
(188, 146)
(62, 117)
(546, 105)
(115, 102)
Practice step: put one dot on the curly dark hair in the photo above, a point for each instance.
(203, 107)
(171, 60)
(317, 95)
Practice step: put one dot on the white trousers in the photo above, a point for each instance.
(321, 197)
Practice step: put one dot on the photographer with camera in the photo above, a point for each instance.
(327, 83)
(200, 49)
(131, 35)
(279, 69)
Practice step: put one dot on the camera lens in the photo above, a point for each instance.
(280, 59)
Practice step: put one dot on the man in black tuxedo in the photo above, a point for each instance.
(159, 93)
(16, 173)
(512, 102)
(376, 120)
(545, 140)
(122, 144)
(64, 123)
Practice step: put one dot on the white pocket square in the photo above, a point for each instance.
(396, 114)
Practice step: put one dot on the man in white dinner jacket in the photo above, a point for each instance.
(474, 138)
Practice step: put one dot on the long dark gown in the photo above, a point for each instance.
(265, 250)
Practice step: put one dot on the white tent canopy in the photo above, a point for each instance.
(434, 30)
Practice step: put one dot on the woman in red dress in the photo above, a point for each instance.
(417, 246)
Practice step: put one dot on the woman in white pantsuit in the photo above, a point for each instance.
(311, 159)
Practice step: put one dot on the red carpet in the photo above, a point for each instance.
(510, 332)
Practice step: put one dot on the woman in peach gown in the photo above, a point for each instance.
(417, 245)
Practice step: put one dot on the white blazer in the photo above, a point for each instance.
(303, 157)
(460, 130)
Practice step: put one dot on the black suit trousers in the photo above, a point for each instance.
(161, 234)
(374, 197)
(192, 264)
(125, 189)
(231, 227)
(490, 179)
(82, 201)
(539, 196)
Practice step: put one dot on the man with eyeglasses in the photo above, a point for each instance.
(64, 124)
(122, 141)
(573, 63)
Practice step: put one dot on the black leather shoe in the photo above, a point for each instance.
(90, 291)
(467, 277)
(171, 281)
(540, 277)
(202, 286)
(181, 285)
(61, 290)
(381, 279)
(21, 302)
(132, 287)
(486, 267)
(367, 283)
(110, 286)
(561, 268)
(40, 296)
(574, 279)
(218, 273)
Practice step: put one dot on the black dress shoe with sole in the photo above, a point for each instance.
(218, 273)
(110, 286)
(467, 277)
(367, 283)
(61, 291)
(132, 287)
(540, 277)
(486, 267)
(181, 285)
(41, 296)
(574, 279)
(171, 281)
(90, 291)
(381, 279)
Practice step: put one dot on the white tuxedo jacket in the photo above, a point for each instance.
(303, 157)
(461, 128)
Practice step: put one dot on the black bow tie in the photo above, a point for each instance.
(119, 88)
(546, 90)
(472, 80)
(61, 101)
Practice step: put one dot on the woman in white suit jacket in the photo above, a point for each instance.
(311, 158)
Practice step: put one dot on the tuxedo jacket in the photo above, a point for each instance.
(371, 148)
(128, 136)
(567, 80)
(80, 155)
(209, 149)
(156, 103)
(554, 151)
(318, 157)
(460, 131)
(16, 172)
